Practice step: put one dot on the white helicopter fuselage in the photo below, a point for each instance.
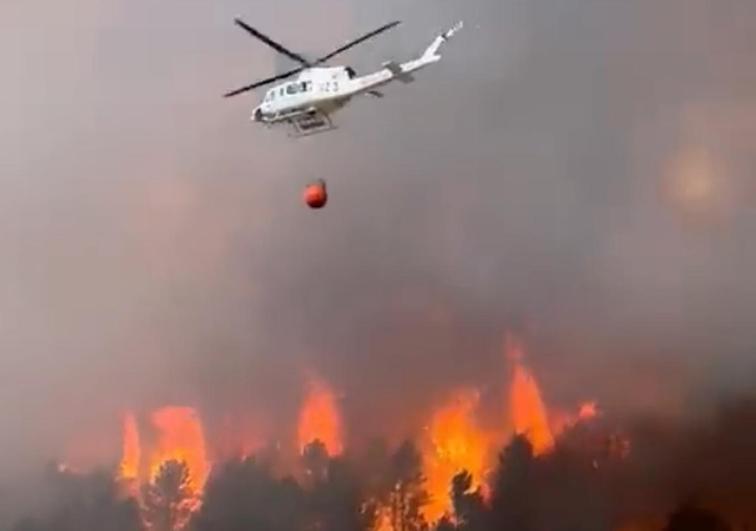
(324, 90)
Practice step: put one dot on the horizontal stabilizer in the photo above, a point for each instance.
(396, 70)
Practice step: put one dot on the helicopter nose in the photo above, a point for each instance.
(258, 115)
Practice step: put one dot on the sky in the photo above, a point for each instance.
(578, 172)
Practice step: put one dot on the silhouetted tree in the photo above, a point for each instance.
(513, 490)
(243, 495)
(168, 499)
(445, 523)
(469, 507)
(315, 461)
(689, 517)
(568, 491)
(83, 502)
(336, 503)
(470, 511)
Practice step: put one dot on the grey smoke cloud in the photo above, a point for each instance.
(156, 250)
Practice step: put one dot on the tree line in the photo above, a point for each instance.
(564, 492)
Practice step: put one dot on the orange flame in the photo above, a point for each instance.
(456, 444)
(587, 411)
(180, 437)
(383, 519)
(562, 421)
(527, 410)
(320, 418)
(131, 451)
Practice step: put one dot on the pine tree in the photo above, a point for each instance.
(469, 507)
(168, 499)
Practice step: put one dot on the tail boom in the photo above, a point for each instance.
(403, 72)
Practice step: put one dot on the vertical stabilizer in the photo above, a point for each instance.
(431, 52)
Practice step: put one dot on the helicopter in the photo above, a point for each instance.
(307, 102)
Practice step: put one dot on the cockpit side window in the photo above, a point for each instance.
(293, 88)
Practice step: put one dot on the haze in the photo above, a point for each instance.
(579, 172)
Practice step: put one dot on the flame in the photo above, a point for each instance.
(383, 519)
(527, 410)
(131, 452)
(180, 437)
(456, 444)
(320, 418)
(587, 411)
(562, 420)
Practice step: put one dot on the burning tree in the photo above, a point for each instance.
(469, 506)
(457, 444)
(315, 461)
(320, 418)
(408, 495)
(168, 501)
(470, 510)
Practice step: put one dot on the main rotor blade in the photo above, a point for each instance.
(357, 41)
(263, 82)
(273, 44)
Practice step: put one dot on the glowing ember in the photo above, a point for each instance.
(527, 410)
(180, 437)
(131, 452)
(456, 444)
(320, 418)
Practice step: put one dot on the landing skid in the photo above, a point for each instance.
(310, 123)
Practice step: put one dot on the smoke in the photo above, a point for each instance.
(579, 172)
